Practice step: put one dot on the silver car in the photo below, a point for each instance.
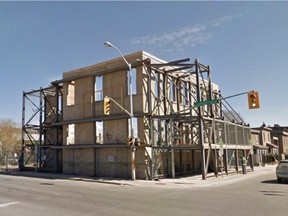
(282, 171)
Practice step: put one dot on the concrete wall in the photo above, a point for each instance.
(79, 161)
(113, 163)
(79, 104)
(83, 99)
(115, 131)
(106, 162)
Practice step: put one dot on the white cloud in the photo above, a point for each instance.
(178, 38)
(181, 38)
(221, 21)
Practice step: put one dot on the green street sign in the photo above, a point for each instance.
(207, 102)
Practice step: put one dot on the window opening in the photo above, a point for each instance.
(71, 94)
(99, 132)
(98, 88)
(185, 94)
(172, 91)
(135, 127)
(133, 82)
(156, 91)
(71, 134)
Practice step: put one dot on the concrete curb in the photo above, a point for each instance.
(190, 182)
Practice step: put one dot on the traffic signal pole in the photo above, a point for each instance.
(253, 102)
(235, 95)
(253, 99)
(215, 101)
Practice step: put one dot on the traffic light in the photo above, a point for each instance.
(107, 104)
(129, 141)
(253, 100)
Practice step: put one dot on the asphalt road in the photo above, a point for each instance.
(260, 195)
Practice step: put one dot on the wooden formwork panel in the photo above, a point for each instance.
(113, 162)
(84, 133)
(79, 162)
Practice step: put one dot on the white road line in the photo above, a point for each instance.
(7, 204)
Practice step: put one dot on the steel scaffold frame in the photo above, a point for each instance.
(172, 105)
(41, 110)
(173, 123)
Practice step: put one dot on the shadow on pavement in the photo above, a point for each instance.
(57, 176)
(50, 176)
(273, 181)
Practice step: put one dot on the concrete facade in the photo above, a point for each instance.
(83, 109)
(178, 118)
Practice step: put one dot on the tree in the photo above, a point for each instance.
(9, 140)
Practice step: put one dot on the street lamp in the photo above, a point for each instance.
(133, 149)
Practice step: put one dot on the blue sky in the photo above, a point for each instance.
(245, 43)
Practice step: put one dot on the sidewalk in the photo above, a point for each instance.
(196, 180)
(190, 182)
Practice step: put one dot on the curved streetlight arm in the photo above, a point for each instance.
(108, 44)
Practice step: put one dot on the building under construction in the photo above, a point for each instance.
(183, 124)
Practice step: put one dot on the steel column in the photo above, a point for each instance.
(200, 122)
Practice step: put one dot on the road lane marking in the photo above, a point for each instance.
(7, 204)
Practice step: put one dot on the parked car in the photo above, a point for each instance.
(282, 171)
